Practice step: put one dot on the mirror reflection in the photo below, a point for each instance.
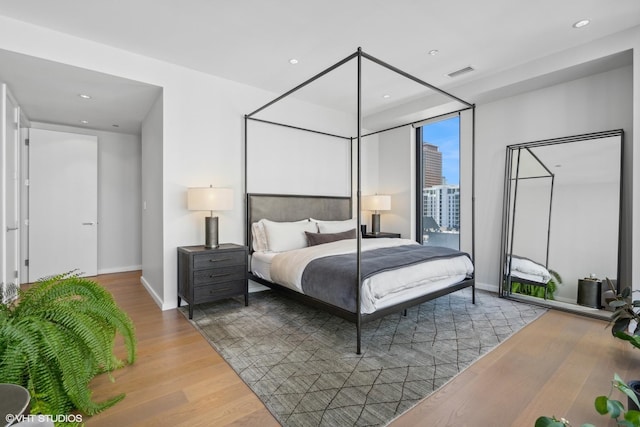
(561, 219)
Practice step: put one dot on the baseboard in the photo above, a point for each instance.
(119, 269)
(153, 294)
(487, 287)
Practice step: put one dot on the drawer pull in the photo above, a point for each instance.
(219, 259)
(213, 291)
(211, 276)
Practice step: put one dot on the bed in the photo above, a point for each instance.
(291, 209)
(324, 275)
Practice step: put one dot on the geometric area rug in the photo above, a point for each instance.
(301, 362)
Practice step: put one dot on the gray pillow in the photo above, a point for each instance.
(319, 238)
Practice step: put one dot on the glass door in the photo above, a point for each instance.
(438, 182)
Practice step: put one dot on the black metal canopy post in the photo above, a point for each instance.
(473, 196)
(358, 195)
(245, 184)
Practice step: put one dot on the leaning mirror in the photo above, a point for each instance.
(561, 221)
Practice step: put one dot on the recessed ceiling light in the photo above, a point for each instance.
(84, 96)
(293, 61)
(433, 52)
(581, 23)
(386, 96)
(84, 122)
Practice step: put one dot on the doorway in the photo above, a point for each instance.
(63, 203)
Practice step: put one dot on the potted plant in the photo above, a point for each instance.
(604, 406)
(625, 321)
(56, 337)
(625, 324)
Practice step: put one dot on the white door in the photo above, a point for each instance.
(63, 203)
(12, 192)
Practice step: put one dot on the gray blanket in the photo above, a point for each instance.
(333, 279)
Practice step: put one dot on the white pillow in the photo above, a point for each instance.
(258, 237)
(287, 236)
(335, 226)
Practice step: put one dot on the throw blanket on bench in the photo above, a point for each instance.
(333, 278)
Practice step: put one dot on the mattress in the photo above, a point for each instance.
(261, 264)
(378, 291)
(527, 269)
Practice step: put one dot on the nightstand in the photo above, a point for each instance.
(380, 235)
(212, 274)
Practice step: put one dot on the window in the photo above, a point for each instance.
(438, 182)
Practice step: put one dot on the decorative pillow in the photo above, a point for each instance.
(320, 238)
(287, 236)
(258, 237)
(335, 226)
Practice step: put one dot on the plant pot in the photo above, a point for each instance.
(635, 386)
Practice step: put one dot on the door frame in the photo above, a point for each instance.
(10, 108)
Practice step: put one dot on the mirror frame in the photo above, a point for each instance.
(508, 211)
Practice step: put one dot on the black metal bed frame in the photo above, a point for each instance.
(358, 317)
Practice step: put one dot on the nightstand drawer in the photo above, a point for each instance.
(217, 275)
(211, 274)
(219, 291)
(222, 259)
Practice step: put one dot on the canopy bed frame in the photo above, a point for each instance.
(292, 208)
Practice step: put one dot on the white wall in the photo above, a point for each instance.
(119, 193)
(397, 177)
(152, 237)
(595, 103)
(283, 160)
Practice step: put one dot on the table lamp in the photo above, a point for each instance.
(210, 199)
(376, 203)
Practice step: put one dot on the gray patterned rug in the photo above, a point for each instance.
(301, 362)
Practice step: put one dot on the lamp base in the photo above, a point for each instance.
(375, 223)
(211, 232)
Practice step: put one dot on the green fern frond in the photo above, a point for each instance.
(58, 337)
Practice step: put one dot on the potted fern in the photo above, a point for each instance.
(605, 405)
(56, 337)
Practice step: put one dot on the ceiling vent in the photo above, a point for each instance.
(461, 71)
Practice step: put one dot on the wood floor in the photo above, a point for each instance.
(555, 366)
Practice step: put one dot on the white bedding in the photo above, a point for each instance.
(529, 270)
(378, 291)
(261, 264)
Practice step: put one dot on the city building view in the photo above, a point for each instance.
(441, 189)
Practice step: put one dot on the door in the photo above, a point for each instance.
(63, 203)
(11, 192)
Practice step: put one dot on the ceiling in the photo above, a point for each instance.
(252, 41)
(116, 104)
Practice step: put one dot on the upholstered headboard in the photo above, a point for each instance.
(284, 207)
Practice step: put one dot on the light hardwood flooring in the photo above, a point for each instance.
(557, 365)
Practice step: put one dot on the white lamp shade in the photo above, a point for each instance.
(377, 202)
(209, 199)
